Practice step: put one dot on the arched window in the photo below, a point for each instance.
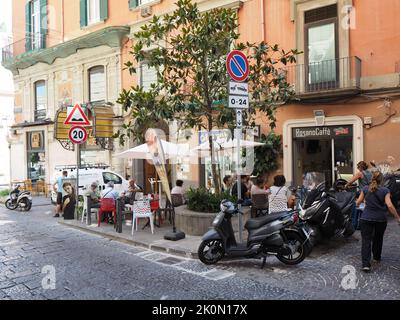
(40, 100)
(97, 84)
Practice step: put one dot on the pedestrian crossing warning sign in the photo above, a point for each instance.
(76, 116)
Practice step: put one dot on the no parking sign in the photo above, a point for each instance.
(237, 65)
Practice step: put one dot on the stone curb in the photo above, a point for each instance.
(136, 243)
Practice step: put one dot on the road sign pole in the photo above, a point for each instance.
(78, 164)
(237, 66)
(239, 119)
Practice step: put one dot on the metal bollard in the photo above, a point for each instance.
(88, 211)
(118, 224)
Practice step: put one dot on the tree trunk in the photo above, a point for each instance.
(214, 171)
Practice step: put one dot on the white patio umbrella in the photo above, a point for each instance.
(171, 150)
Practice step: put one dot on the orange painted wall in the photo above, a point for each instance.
(279, 29)
(376, 37)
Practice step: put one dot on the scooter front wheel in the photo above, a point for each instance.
(295, 242)
(9, 205)
(211, 251)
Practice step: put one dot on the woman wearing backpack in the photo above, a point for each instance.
(373, 219)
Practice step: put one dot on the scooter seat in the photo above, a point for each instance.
(256, 223)
(344, 199)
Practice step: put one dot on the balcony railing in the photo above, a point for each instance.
(329, 77)
(40, 114)
(35, 42)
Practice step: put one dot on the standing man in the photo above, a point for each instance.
(58, 187)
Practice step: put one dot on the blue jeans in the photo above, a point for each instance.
(247, 202)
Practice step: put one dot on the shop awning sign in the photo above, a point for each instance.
(76, 116)
(322, 132)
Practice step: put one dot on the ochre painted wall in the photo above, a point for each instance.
(376, 37)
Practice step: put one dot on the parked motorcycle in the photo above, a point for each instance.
(18, 199)
(327, 212)
(274, 234)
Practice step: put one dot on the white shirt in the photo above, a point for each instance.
(278, 199)
(177, 190)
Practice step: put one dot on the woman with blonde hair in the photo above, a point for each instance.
(373, 220)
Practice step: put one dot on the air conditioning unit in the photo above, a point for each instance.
(145, 11)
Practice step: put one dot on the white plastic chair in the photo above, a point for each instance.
(141, 209)
(92, 210)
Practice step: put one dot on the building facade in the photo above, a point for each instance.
(347, 80)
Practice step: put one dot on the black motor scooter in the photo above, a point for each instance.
(327, 213)
(274, 234)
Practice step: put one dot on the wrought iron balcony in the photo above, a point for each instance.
(40, 114)
(327, 78)
(35, 42)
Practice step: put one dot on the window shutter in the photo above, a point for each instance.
(43, 22)
(83, 13)
(28, 24)
(103, 10)
(133, 3)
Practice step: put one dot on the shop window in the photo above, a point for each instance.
(321, 45)
(40, 101)
(36, 156)
(97, 84)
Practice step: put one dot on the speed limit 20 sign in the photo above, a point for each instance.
(238, 102)
(78, 135)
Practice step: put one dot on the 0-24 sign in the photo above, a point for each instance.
(238, 102)
(78, 134)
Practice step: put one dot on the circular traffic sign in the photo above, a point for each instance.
(237, 65)
(77, 134)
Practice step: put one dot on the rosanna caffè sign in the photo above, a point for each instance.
(326, 132)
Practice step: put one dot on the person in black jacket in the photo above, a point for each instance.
(373, 220)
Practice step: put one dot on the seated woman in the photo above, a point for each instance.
(280, 198)
(259, 187)
(259, 197)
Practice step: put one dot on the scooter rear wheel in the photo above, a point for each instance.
(293, 239)
(211, 251)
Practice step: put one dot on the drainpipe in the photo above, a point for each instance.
(62, 13)
(262, 5)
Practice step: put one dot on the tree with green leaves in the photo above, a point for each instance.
(188, 48)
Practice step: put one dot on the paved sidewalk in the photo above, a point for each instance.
(186, 247)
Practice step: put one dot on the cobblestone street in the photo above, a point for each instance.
(92, 267)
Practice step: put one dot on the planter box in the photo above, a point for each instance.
(198, 223)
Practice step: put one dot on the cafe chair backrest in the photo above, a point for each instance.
(107, 204)
(177, 199)
(141, 207)
(260, 200)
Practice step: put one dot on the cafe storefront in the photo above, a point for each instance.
(332, 149)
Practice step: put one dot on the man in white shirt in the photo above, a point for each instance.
(178, 189)
(109, 192)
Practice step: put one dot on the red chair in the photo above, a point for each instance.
(107, 205)
(155, 207)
